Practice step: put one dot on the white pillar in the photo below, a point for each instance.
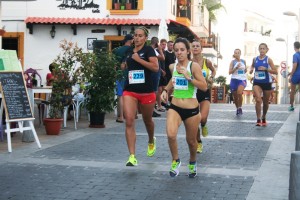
(298, 25)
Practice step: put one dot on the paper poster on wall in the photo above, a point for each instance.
(9, 61)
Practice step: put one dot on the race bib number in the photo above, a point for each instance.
(260, 75)
(180, 83)
(240, 71)
(204, 73)
(136, 76)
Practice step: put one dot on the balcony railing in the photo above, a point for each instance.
(184, 9)
(210, 42)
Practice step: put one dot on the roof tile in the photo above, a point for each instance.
(100, 21)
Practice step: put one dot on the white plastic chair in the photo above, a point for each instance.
(78, 100)
(66, 115)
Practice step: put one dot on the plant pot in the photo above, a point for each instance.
(123, 7)
(117, 6)
(2, 32)
(97, 120)
(128, 6)
(52, 126)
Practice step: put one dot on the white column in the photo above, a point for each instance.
(298, 25)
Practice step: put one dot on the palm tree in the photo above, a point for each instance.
(221, 80)
(213, 6)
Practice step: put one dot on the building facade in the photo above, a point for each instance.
(35, 29)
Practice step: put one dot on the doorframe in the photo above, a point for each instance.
(20, 38)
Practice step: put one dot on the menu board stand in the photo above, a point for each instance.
(16, 103)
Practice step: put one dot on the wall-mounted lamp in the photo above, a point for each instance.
(132, 30)
(52, 31)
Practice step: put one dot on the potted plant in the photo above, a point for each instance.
(128, 5)
(101, 74)
(123, 2)
(2, 31)
(65, 76)
(117, 5)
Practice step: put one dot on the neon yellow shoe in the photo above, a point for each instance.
(199, 147)
(204, 131)
(174, 171)
(192, 170)
(151, 148)
(132, 161)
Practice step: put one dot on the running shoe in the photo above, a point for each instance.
(161, 109)
(240, 111)
(151, 148)
(199, 147)
(237, 111)
(204, 131)
(174, 171)
(258, 123)
(291, 108)
(192, 170)
(263, 122)
(155, 114)
(132, 161)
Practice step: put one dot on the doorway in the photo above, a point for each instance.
(10, 44)
(14, 41)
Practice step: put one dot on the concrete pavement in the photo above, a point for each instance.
(240, 161)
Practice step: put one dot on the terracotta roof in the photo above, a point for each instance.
(100, 21)
(176, 27)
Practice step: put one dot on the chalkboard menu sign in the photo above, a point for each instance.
(14, 96)
(220, 93)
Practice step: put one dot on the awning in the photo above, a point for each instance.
(174, 27)
(97, 21)
(181, 30)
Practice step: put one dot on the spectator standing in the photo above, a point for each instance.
(156, 75)
(121, 53)
(170, 58)
(162, 80)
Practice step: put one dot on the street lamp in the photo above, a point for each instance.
(285, 85)
(289, 13)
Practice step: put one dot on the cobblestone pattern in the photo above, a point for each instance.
(54, 182)
(232, 150)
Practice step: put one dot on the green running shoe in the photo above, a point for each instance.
(151, 148)
(192, 170)
(174, 171)
(291, 108)
(204, 131)
(132, 161)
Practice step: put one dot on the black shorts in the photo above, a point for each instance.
(162, 81)
(185, 113)
(201, 96)
(264, 86)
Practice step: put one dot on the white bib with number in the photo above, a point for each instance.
(180, 83)
(240, 71)
(260, 75)
(136, 76)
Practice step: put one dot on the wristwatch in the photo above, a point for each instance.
(190, 79)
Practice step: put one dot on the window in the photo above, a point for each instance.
(121, 7)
